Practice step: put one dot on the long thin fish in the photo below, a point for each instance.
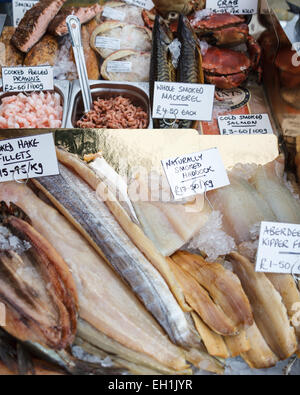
(190, 62)
(161, 68)
(95, 221)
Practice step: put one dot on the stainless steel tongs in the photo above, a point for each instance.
(74, 27)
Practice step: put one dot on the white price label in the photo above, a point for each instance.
(28, 157)
(112, 13)
(108, 43)
(195, 173)
(239, 7)
(116, 66)
(19, 9)
(26, 79)
(245, 124)
(146, 4)
(174, 100)
(279, 248)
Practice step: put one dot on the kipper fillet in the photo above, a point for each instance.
(34, 24)
(104, 300)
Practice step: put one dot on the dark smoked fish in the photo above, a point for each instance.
(161, 68)
(190, 62)
(34, 24)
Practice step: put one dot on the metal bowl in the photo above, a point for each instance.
(138, 93)
(61, 87)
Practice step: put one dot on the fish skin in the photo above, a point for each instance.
(161, 67)
(94, 217)
(105, 301)
(189, 68)
(269, 312)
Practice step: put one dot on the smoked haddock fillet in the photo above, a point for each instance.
(105, 302)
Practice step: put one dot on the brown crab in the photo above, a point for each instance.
(226, 68)
(221, 29)
(185, 7)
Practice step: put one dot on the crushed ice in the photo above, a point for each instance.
(201, 14)
(175, 49)
(10, 242)
(211, 238)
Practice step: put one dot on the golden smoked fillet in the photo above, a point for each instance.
(223, 286)
(269, 312)
(200, 301)
(238, 344)
(36, 285)
(260, 356)
(136, 235)
(213, 342)
(286, 286)
(105, 301)
(79, 203)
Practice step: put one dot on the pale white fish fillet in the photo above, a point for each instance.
(99, 225)
(269, 312)
(260, 356)
(281, 200)
(168, 224)
(105, 301)
(241, 206)
(116, 184)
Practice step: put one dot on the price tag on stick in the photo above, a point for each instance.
(238, 7)
(174, 100)
(195, 173)
(279, 248)
(28, 157)
(26, 79)
(245, 124)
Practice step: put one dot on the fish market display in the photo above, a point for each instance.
(137, 65)
(114, 113)
(35, 23)
(137, 38)
(58, 26)
(36, 110)
(121, 317)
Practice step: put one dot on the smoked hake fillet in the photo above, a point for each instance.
(105, 301)
(223, 286)
(260, 356)
(36, 286)
(269, 312)
(34, 24)
(43, 53)
(75, 199)
(136, 235)
(201, 303)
